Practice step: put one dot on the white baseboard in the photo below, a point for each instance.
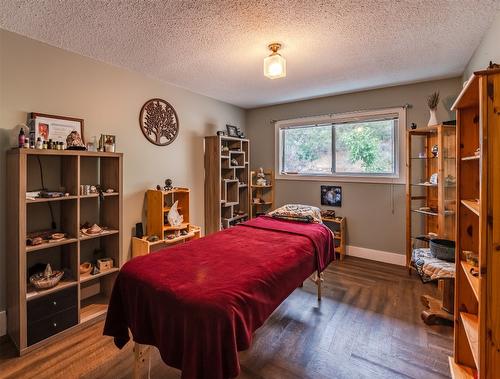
(3, 323)
(376, 255)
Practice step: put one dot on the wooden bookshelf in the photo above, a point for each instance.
(265, 193)
(477, 298)
(440, 198)
(36, 317)
(227, 175)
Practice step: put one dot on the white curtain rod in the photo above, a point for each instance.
(404, 106)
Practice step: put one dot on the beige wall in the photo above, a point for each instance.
(375, 212)
(488, 50)
(37, 77)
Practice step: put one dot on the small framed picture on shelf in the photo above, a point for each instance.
(107, 143)
(331, 195)
(52, 127)
(232, 131)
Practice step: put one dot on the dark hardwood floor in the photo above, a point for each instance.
(367, 326)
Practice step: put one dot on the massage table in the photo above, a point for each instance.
(200, 302)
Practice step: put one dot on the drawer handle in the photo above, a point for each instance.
(54, 324)
(54, 303)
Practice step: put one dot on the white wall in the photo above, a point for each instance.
(35, 77)
(488, 50)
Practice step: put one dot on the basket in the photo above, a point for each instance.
(443, 249)
(41, 282)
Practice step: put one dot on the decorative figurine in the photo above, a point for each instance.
(173, 217)
(432, 102)
(261, 178)
(74, 141)
(168, 185)
(413, 126)
(435, 151)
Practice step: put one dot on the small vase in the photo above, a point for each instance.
(433, 118)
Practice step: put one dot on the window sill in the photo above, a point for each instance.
(343, 179)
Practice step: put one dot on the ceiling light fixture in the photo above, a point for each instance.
(274, 64)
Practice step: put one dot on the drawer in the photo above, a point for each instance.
(51, 304)
(54, 324)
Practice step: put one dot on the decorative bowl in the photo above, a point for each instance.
(85, 267)
(57, 236)
(443, 249)
(40, 281)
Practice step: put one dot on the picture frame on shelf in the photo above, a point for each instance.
(53, 127)
(232, 131)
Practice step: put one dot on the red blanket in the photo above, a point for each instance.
(200, 302)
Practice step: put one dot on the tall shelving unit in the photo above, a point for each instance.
(227, 178)
(36, 317)
(420, 194)
(477, 298)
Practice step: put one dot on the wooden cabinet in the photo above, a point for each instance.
(430, 204)
(227, 178)
(159, 203)
(477, 290)
(35, 315)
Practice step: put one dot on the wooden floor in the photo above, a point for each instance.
(367, 326)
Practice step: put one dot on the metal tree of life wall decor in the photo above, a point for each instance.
(159, 122)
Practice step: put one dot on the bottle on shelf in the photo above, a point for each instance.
(21, 138)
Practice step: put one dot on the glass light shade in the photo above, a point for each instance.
(275, 66)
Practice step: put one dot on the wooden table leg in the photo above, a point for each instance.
(437, 311)
(141, 359)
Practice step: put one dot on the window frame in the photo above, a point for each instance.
(397, 177)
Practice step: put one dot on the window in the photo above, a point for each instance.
(362, 145)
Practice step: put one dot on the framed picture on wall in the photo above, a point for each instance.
(55, 128)
(331, 196)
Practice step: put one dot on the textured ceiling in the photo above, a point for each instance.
(216, 48)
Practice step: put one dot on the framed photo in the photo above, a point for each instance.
(107, 143)
(331, 196)
(232, 131)
(55, 128)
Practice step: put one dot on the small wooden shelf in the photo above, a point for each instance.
(471, 326)
(93, 307)
(34, 293)
(338, 227)
(266, 186)
(48, 199)
(88, 277)
(472, 205)
(228, 203)
(105, 233)
(48, 245)
(429, 213)
(93, 195)
(264, 203)
(474, 281)
(424, 185)
(184, 225)
(471, 158)
(235, 218)
(460, 371)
